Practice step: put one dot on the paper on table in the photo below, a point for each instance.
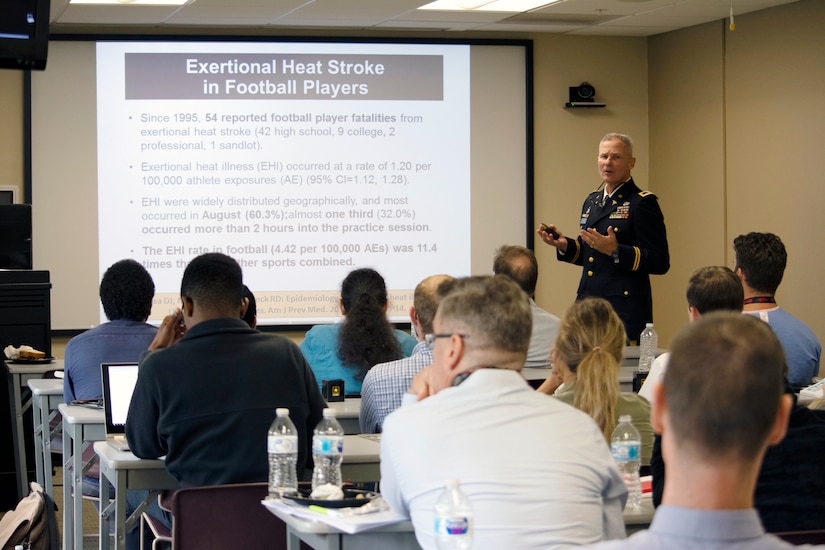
(350, 524)
(815, 391)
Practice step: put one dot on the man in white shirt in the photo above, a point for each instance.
(712, 288)
(537, 472)
(720, 406)
(519, 263)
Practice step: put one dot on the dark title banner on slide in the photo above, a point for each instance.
(294, 76)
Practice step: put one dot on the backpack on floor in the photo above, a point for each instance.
(31, 524)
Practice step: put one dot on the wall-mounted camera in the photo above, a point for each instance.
(583, 95)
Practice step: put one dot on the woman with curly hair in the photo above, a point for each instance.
(587, 358)
(347, 350)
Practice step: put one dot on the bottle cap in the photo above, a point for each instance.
(625, 418)
(329, 413)
(451, 482)
(281, 411)
(648, 325)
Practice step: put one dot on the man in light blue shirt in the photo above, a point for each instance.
(760, 264)
(714, 447)
(385, 383)
(126, 292)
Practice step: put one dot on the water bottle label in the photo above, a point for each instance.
(453, 525)
(625, 451)
(282, 444)
(327, 445)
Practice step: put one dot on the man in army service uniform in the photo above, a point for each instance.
(622, 240)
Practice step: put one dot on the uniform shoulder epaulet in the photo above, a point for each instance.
(646, 193)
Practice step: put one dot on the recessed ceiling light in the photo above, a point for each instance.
(132, 2)
(515, 6)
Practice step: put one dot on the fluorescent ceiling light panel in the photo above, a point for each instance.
(132, 2)
(514, 6)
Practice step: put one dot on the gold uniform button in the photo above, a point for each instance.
(589, 273)
(626, 293)
(590, 259)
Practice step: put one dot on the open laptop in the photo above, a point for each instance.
(119, 381)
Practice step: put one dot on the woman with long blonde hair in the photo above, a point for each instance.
(586, 359)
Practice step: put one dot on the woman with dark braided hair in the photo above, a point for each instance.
(347, 350)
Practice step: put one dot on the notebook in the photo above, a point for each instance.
(119, 381)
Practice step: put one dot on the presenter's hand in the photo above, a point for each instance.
(605, 244)
(559, 242)
(170, 331)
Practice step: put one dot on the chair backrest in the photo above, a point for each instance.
(803, 537)
(225, 516)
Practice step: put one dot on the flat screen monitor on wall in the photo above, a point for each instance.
(24, 34)
(15, 236)
(303, 160)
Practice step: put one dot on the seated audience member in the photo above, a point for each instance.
(712, 288)
(519, 263)
(760, 264)
(385, 383)
(798, 456)
(588, 356)
(347, 350)
(537, 472)
(719, 407)
(251, 313)
(126, 292)
(207, 394)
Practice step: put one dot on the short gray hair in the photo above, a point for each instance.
(624, 138)
(494, 309)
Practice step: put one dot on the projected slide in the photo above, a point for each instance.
(302, 161)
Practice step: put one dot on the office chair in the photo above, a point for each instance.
(816, 536)
(219, 516)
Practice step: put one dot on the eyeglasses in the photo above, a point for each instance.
(430, 339)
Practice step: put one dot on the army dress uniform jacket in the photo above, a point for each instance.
(623, 278)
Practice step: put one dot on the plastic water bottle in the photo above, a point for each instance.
(626, 447)
(648, 343)
(282, 446)
(327, 450)
(453, 518)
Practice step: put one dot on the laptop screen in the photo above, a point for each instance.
(118, 384)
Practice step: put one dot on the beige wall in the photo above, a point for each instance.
(687, 160)
(735, 119)
(11, 130)
(775, 115)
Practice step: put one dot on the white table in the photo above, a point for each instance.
(126, 472)
(81, 425)
(319, 535)
(322, 536)
(20, 400)
(636, 519)
(347, 412)
(362, 455)
(47, 394)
